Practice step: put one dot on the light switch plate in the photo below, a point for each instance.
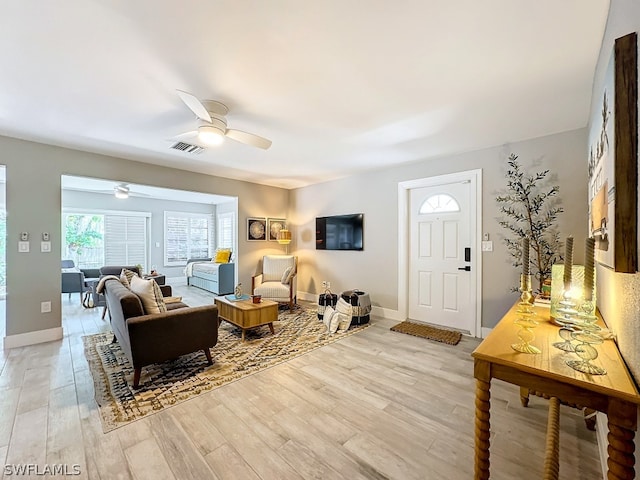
(23, 247)
(487, 246)
(45, 247)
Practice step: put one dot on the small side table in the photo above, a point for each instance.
(99, 300)
(160, 279)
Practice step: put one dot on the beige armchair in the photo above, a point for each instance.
(278, 280)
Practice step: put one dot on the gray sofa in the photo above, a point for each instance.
(148, 339)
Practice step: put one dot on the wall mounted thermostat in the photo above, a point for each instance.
(45, 237)
(24, 236)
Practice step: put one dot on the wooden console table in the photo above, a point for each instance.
(614, 394)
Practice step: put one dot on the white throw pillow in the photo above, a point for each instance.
(343, 308)
(292, 272)
(330, 320)
(149, 293)
(285, 276)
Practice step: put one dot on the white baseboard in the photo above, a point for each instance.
(32, 338)
(602, 428)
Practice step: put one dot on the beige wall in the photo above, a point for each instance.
(34, 206)
(618, 293)
(375, 194)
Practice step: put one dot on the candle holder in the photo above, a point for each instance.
(587, 312)
(527, 323)
(565, 300)
(567, 310)
(526, 295)
(566, 335)
(587, 352)
(526, 318)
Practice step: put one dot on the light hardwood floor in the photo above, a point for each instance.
(375, 405)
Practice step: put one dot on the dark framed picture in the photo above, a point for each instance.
(613, 162)
(274, 225)
(256, 229)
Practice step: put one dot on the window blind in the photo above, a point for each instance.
(187, 235)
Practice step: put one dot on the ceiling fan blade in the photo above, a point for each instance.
(194, 105)
(249, 139)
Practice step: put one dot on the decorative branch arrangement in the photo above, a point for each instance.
(531, 213)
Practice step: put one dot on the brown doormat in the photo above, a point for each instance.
(450, 337)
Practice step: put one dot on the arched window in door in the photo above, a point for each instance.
(439, 203)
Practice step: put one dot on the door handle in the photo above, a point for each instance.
(466, 269)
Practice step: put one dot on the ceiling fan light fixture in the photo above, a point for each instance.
(121, 191)
(210, 135)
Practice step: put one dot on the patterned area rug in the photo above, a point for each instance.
(425, 331)
(166, 384)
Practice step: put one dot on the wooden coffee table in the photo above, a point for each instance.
(246, 314)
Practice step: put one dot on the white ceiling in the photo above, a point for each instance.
(339, 86)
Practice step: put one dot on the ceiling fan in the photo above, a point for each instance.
(123, 190)
(212, 124)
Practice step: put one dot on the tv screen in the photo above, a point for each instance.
(340, 232)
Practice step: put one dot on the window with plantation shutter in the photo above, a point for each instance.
(226, 230)
(187, 235)
(125, 240)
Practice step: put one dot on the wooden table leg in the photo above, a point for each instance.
(622, 422)
(524, 396)
(483, 410)
(271, 328)
(621, 459)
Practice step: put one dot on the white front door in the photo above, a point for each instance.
(442, 289)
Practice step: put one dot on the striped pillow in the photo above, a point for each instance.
(126, 276)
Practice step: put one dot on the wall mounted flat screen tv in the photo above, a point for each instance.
(340, 232)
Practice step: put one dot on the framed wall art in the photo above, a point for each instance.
(274, 225)
(613, 162)
(256, 229)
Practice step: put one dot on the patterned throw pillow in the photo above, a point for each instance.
(126, 276)
(149, 293)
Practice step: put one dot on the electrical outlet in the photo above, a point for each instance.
(45, 307)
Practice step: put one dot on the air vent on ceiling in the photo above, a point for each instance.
(187, 147)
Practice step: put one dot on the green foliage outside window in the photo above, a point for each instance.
(83, 232)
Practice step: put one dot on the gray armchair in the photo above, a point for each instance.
(73, 280)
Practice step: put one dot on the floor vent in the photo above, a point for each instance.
(187, 147)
